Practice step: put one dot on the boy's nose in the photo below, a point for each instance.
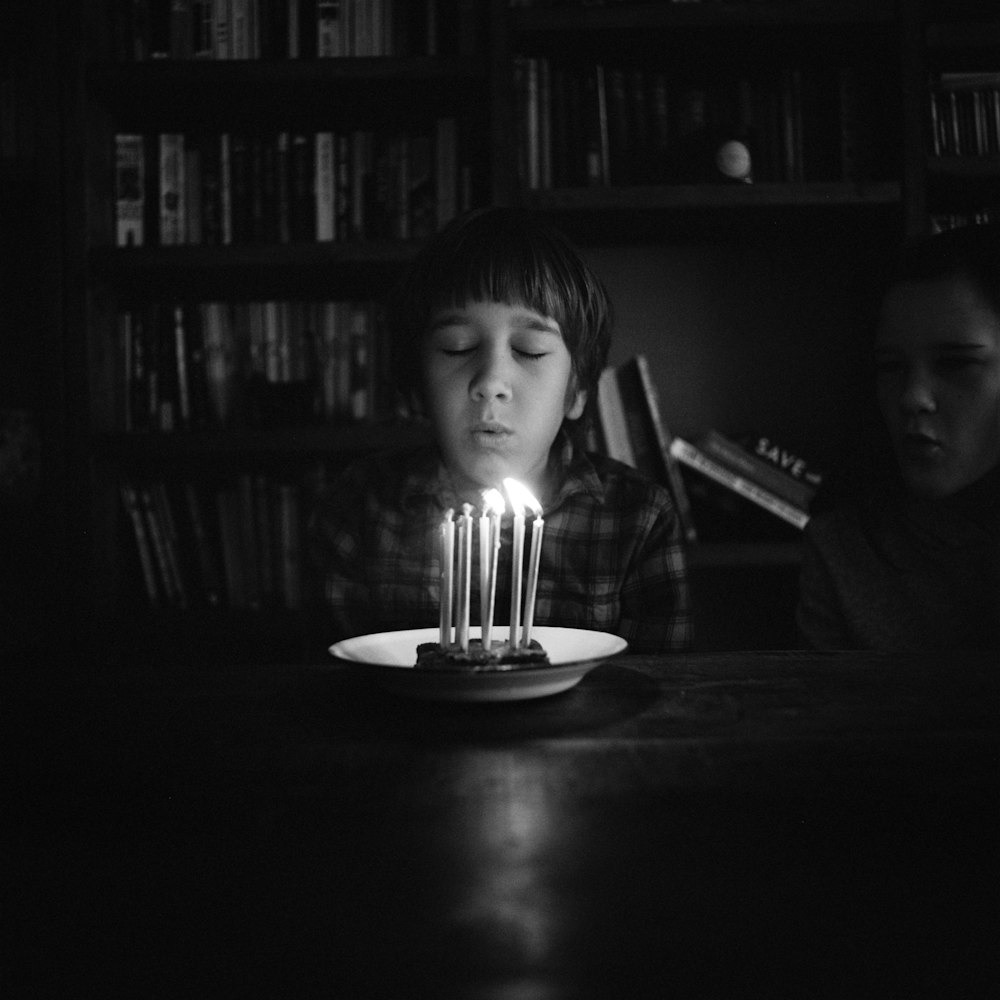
(491, 380)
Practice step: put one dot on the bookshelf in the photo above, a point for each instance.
(848, 165)
(953, 113)
(269, 271)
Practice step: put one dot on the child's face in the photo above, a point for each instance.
(937, 354)
(499, 383)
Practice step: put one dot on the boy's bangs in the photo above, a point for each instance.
(513, 275)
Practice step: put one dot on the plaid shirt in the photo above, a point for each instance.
(612, 558)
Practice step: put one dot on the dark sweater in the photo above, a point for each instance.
(890, 573)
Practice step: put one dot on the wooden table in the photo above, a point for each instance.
(766, 825)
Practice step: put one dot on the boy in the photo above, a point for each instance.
(913, 562)
(500, 332)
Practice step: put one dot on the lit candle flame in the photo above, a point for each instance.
(521, 497)
(493, 502)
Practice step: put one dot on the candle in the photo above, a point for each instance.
(447, 576)
(464, 575)
(493, 507)
(533, 560)
(519, 498)
(484, 568)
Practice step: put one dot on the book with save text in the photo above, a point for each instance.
(775, 475)
(697, 460)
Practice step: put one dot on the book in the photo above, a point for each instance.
(696, 459)
(172, 229)
(446, 169)
(789, 462)
(130, 501)
(219, 342)
(325, 186)
(763, 471)
(330, 41)
(163, 513)
(205, 545)
(612, 419)
(650, 435)
(130, 190)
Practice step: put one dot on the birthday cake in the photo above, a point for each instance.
(500, 656)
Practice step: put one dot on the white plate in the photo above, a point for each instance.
(389, 657)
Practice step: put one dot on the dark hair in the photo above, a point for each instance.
(502, 255)
(969, 252)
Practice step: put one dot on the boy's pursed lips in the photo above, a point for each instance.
(490, 427)
(919, 445)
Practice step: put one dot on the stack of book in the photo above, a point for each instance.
(769, 476)
(236, 543)
(725, 473)
(175, 188)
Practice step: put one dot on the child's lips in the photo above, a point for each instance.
(919, 447)
(490, 433)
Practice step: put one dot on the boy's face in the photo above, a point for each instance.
(937, 354)
(499, 381)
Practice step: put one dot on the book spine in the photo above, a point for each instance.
(290, 546)
(695, 459)
(182, 361)
(130, 184)
(325, 186)
(731, 454)
(159, 546)
(674, 480)
(446, 169)
(222, 35)
(611, 414)
(211, 579)
(171, 542)
(193, 192)
(171, 189)
(329, 29)
(130, 501)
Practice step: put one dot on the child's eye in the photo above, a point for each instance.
(531, 355)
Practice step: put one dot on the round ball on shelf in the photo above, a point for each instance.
(732, 159)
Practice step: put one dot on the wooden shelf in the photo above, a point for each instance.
(369, 92)
(634, 16)
(970, 167)
(727, 196)
(307, 441)
(981, 35)
(327, 269)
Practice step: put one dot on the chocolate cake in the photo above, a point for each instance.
(500, 656)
